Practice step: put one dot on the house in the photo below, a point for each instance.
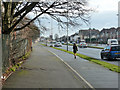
(106, 34)
(89, 33)
(118, 34)
(74, 38)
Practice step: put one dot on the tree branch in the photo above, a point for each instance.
(27, 11)
(34, 18)
(23, 9)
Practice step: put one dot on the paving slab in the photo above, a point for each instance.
(43, 70)
(96, 75)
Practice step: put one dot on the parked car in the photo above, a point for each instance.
(58, 44)
(52, 43)
(73, 42)
(82, 45)
(68, 42)
(111, 52)
(63, 42)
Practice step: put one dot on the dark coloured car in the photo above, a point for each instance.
(111, 52)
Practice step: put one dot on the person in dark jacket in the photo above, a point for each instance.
(75, 49)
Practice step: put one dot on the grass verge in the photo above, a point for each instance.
(87, 46)
(95, 47)
(68, 44)
(111, 67)
(43, 44)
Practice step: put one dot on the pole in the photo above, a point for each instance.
(118, 18)
(51, 32)
(67, 25)
(90, 35)
(117, 34)
(46, 41)
(118, 14)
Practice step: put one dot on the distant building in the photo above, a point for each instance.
(74, 38)
(118, 34)
(112, 33)
(89, 33)
(63, 38)
(94, 36)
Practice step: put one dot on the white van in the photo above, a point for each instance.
(112, 42)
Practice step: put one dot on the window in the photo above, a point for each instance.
(116, 48)
(108, 48)
(113, 41)
(113, 49)
(105, 48)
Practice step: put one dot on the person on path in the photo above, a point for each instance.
(75, 49)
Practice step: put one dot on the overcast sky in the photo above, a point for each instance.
(105, 16)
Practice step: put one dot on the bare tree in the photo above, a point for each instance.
(14, 12)
(33, 30)
(56, 37)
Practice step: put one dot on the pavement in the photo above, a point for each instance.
(91, 52)
(96, 75)
(44, 70)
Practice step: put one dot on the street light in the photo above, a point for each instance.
(118, 19)
(67, 26)
(118, 24)
(46, 41)
(118, 14)
(90, 35)
(51, 32)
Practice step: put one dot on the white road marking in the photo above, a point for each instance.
(74, 71)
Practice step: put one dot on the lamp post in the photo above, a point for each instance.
(118, 14)
(118, 27)
(90, 35)
(67, 25)
(118, 20)
(117, 34)
(51, 32)
(46, 41)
